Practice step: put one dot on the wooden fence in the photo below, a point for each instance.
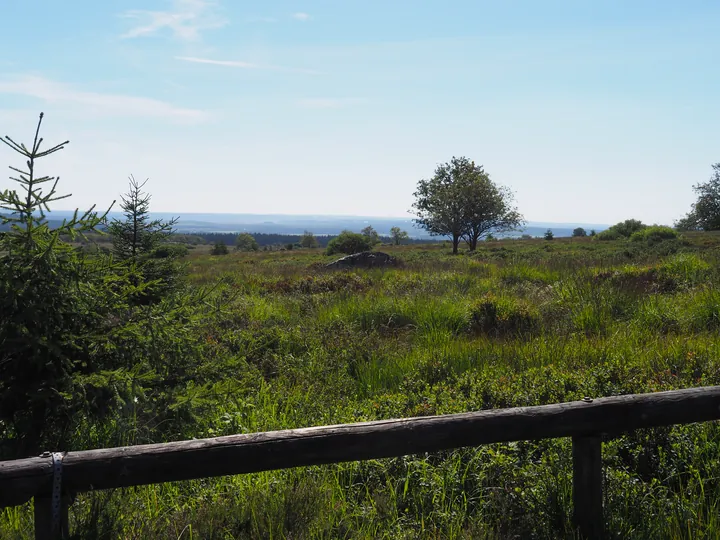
(51, 479)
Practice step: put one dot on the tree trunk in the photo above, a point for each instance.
(456, 241)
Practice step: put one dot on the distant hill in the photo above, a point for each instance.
(318, 224)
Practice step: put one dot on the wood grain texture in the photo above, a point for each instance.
(587, 486)
(107, 468)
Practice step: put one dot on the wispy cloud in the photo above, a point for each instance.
(186, 20)
(57, 92)
(245, 65)
(329, 103)
(301, 16)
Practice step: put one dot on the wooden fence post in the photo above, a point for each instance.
(43, 518)
(44, 527)
(587, 486)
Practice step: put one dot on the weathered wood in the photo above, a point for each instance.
(107, 468)
(587, 486)
(43, 518)
(45, 529)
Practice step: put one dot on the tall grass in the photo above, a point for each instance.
(516, 323)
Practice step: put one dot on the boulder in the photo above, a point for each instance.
(366, 259)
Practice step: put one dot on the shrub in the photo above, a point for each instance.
(219, 249)
(348, 242)
(628, 227)
(654, 234)
(609, 235)
(169, 251)
(503, 316)
(308, 240)
(246, 242)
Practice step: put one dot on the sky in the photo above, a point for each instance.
(590, 111)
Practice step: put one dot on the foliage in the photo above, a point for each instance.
(49, 300)
(170, 251)
(246, 242)
(308, 240)
(609, 235)
(549, 235)
(398, 235)
(137, 235)
(371, 235)
(348, 242)
(705, 213)
(514, 324)
(579, 232)
(628, 227)
(654, 234)
(460, 201)
(136, 241)
(220, 248)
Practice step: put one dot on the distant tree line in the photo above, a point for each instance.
(272, 239)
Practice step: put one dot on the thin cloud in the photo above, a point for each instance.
(245, 65)
(301, 17)
(57, 92)
(329, 103)
(186, 20)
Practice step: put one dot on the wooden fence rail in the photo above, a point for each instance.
(585, 421)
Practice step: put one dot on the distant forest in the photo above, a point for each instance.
(269, 239)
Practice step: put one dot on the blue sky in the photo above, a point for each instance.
(591, 111)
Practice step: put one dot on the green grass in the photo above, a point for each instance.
(516, 323)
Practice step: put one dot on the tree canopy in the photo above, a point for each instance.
(371, 234)
(462, 202)
(398, 235)
(246, 242)
(348, 242)
(705, 212)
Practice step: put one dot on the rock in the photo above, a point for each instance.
(366, 259)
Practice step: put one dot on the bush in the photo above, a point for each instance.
(220, 248)
(502, 316)
(628, 227)
(308, 240)
(609, 235)
(348, 242)
(579, 232)
(246, 242)
(169, 251)
(654, 234)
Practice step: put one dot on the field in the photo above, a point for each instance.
(533, 322)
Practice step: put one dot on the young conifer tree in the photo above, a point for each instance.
(47, 307)
(137, 235)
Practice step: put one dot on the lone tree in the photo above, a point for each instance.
(705, 213)
(137, 235)
(549, 235)
(460, 201)
(579, 232)
(308, 240)
(398, 235)
(246, 242)
(371, 234)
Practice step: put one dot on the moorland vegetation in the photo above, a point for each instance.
(148, 343)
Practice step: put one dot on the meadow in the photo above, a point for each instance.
(518, 322)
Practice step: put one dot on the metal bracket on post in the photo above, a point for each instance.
(57, 458)
(51, 511)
